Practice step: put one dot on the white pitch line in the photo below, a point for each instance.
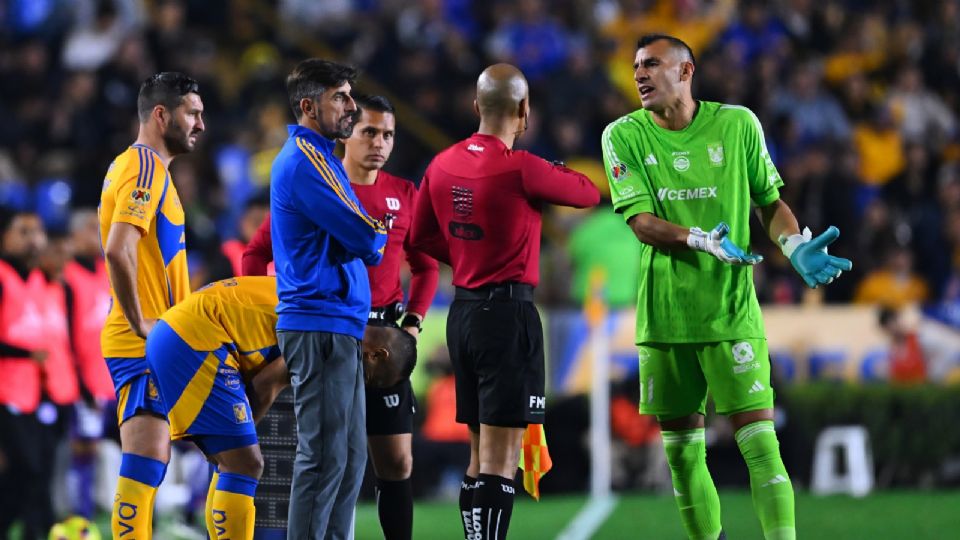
(589, 519)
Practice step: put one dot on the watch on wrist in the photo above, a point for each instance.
(411, 320)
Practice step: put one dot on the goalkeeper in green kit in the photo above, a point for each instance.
(685, 175)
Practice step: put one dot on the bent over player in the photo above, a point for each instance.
(673, 166)
(389, 199)
(478, 210)
(142, 233)
(216, 348)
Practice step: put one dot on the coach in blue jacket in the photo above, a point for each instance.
(322, 238)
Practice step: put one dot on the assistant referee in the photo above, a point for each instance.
(478, 210)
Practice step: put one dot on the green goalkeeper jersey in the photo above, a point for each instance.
(701, 175)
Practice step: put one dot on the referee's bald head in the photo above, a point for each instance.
(500, 90)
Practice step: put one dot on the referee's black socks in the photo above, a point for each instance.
(395, 507)
(467, 487)
(492, 507)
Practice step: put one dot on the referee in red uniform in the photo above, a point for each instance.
(389, 199)
(478, 210)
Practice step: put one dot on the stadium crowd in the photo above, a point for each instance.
(858, 99)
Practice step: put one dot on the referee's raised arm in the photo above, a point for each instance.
(479, 209)
(321, 239)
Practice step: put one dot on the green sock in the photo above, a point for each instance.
(693, 488)
(769, 482)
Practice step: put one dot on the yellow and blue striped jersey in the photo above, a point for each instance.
(138, 190)
(238, 313)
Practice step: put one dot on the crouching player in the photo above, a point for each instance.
(218, 369)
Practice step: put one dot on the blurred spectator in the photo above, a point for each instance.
(880, 148)
(254, 212)
(639, 462)
(603, 242)
(906, 362)
(816, 114)
(442, 443)
(90, 46)
(755, 32)
(895, 285)
(530, 39)
(920, 114)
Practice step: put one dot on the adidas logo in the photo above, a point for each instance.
(757, 387)
(778, 479)
(650, 160)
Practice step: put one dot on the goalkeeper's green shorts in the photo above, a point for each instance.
(675, 377)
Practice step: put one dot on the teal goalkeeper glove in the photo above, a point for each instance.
(717, 244)
(810, 259)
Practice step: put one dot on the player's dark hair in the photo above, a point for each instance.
(312, 76)
(374, 103)
(403, 346)
(166, 88)
(676, 43)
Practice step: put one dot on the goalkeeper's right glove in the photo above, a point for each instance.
(717, 244)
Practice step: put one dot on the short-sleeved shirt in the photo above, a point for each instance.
(711, 171)
(138, 190)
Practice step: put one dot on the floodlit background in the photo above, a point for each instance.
(859, 102)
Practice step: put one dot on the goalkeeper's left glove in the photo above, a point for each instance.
(810, 259)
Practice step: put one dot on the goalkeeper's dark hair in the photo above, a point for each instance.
(674, 42)
(403, 348)
(166, 88)
(312, 77)
(369, 102)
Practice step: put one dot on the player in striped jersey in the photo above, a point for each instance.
(216, 348)
(142, 233)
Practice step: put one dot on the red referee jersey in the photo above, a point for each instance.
(390, 199)
(479, 210)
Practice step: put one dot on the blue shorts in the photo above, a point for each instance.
(202, 392)
(138, 396)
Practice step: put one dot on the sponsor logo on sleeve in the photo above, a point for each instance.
(140, 197)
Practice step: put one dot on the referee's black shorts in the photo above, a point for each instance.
(495, 339)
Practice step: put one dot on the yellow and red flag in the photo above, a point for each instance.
(534, 458)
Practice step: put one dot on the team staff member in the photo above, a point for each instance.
(479, 211)
(321, 240)
(35, 369)
(206, 351)
(142, 232)
(86, 280)
(389, 199)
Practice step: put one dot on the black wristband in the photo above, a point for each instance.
(411, 320)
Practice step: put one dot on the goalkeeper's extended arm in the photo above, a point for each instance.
(807, 254)
(662, 234)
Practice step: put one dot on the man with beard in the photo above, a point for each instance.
(322, 238)
(142, 233)
(389, 410)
